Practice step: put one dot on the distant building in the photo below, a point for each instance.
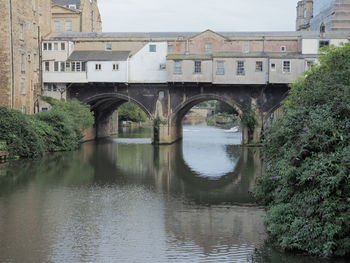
(22, 27)
(323, 15)
(75, 16)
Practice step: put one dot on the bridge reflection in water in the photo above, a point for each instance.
(129, 202)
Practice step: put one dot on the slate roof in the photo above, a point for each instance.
(66, 2)
(167, 35)
(99, 56)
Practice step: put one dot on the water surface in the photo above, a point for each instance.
(123, 200)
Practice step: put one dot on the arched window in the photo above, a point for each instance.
(322, 28)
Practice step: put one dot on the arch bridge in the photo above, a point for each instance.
(167, 104)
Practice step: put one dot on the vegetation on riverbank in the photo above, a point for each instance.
(131, 112)
(306, 186)
(59, 129)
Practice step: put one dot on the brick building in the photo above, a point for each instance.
(24, 23)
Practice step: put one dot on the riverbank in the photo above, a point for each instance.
(59, 129)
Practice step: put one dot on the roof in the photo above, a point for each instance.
(66, 2)
(177, 35)
(99, 56)
(277, 55)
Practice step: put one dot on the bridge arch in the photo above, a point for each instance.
(113, 100)
(181, 110)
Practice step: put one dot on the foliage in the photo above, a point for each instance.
(249, 121)
(56, 130)
(131, 112)
(19, 134)
(222, 107)
(306, 186)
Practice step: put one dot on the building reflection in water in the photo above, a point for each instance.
(109, 196)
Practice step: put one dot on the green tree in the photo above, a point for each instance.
(131, 112)
(306, 186)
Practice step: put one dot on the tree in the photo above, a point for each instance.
(306, 186)
(131, 112)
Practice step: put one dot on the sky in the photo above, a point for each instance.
(197, 15)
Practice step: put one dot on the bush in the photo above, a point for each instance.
(19, 134)
(306, 187)
(131, 112)
(56, 130)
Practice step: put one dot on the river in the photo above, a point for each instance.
(124, 200)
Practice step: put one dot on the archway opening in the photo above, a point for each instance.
(210, 131)
(118, 116)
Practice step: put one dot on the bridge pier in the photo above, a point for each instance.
(107, 125)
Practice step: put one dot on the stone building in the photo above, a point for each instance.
(323, 15)
(75, 16)
(22, 27)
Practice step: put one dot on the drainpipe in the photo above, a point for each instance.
(12, 60)
(40, 66)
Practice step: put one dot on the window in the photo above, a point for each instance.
(283, 48)
(73, 67)
(162, 66)
(115, 66)
(22, 63)
(83, 66)
(259, 66)
(45, 46)
(152, 48)
(178, 67)
(47, 66)
(57, 26)
(273, 67)
(55, 46)
(323, 43)
(170, 49)
(73, 6)
(308, 65)
(54, 87)
(322, 28)
(34, 30)
(208, 48)
(98, 67)
(67, 66)
(23, 87)
(63, 46)
(34, 62)
(33, 5)
(245, 48)
(220, 68)
(21, 30)
(286, 66)
(240, 68)
(68, 25)
(55, 66)
(49, 46)
(24, 109)
(62, 66)
(108, 47)
(197, 66)
(78, 66)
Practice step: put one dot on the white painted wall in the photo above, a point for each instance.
(311, 46)
(65, 77)
(144, 66)
(107, 74)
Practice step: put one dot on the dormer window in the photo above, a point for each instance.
(72, 6)
(322, 28)
(283, 48)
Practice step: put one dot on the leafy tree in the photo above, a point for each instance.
(306, 186)
(131, 112)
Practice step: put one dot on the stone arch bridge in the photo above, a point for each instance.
(168, 104)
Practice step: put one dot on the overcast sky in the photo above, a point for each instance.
(197, 15)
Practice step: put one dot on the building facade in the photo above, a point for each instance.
(22, 27)
(75, 16)
(323, 15)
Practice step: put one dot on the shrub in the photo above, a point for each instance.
(131, 112)
(56, 130)
(306, 186)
